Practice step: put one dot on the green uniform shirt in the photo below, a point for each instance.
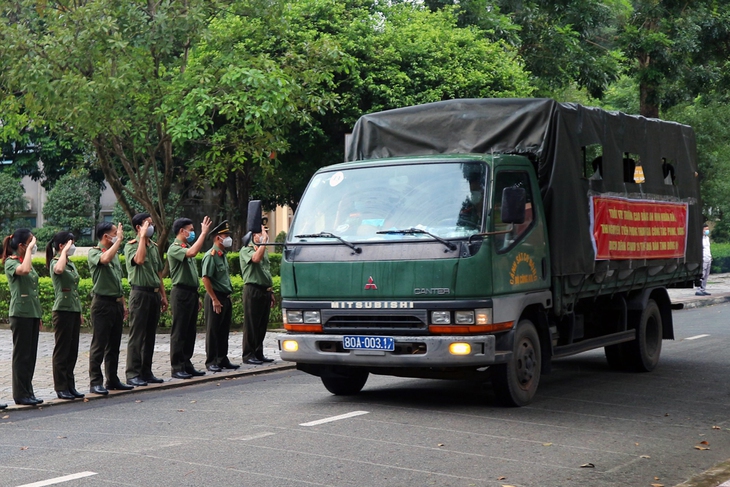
(252, 272)
(146, 274)
(24, 302)
(107, 278)
(66, 287)
(215, 268)
(182, 268)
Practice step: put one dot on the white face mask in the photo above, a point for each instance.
(150, 230)
(71, 250)
(227, 242)
(35, 249)
(114, 239)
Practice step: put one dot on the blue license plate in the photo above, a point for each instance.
(368, 342)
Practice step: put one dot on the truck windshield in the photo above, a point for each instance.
(443, 199)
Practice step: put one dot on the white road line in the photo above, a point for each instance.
(59, 480)
(253, 437)
(696, 337)
(335, 418)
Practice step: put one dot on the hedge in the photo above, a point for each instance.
(85, 286)
(720, 257)
(39, 263)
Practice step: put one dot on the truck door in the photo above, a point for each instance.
(519, 252)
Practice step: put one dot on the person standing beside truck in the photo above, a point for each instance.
(706, 261)
(66, 313)
(25, 314)
(217, 306)
(146, 301)
(258, 297)
(108, 309)
(184, 299)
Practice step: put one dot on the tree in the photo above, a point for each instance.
(73, 203)
(96, 73)
(12, 201)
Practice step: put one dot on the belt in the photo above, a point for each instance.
(109, 298)
(263, 288)
(187, 288)
(146, 289)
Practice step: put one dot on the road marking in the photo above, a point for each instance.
(696, 337)
(335, 418)
(60, 480)
(253, 437)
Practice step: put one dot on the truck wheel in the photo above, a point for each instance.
(515, 383)
(349, 385)
(645, 350)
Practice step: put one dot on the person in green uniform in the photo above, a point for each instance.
(184, 298)
(258, 297)
(108, 309)
(25, 313)
(66, 313)
(217, 307)
(146, 300)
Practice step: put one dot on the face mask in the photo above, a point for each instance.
(476, 197)
(707, 232)
(71, 250)
(114, 239)
(35, 249)
(227, 242)
(150, 230)
(191, 236)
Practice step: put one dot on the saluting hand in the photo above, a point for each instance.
(205, 226)
(120, 233)
(143, 230)
(67, 246)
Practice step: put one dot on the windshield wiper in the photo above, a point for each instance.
(418, 231)
(355, 248)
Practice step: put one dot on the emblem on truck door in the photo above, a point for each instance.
(370, 284)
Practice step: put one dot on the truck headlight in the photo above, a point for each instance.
(441, 317)
(464, 317)
(312, 317)
(293, 316)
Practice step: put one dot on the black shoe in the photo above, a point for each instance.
(151, 379)
(65, 395)
(27, 401)
(3, 406)
(119, 386)
(76, 393)
(254, 361)
(182, 375)
(705, 293)
(229, 366)
(136, 381)
(101, 390)
(37, 401)
(214, 368)
(266, 360)
(195, 373)
(700, 293)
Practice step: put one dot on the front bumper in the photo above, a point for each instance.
(411, 351)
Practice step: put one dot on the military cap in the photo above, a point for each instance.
(221, 228)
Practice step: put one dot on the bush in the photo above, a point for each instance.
(720, 257)
(85, 286)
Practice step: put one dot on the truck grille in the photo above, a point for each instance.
(395, 321)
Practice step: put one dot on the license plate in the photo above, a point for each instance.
(368, 342)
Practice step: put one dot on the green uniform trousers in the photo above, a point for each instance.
(256, 309)
(66, 326)
(217, 328)
(144, 315)
(25, 351)
(107, 320)
(184, 305)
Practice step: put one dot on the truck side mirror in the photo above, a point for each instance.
(253, 221)
(514, 200)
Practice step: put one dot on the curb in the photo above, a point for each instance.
(701, 303)
(168, 384)
(712, 477)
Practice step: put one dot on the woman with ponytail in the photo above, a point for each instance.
(24, 313)
(66, 313)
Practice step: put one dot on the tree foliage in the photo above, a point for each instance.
(12, 201)
(73, 203)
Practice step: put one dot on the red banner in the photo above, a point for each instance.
(637, 229)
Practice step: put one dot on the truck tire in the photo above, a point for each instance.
(515, 383)
(644, 352)
(349, 385)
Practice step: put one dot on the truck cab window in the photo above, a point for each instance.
(505, 179)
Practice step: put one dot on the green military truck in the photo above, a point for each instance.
(482, 238)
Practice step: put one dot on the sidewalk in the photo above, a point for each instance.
(43, 378)
(718, 286)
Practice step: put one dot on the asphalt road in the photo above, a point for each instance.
(588, 426)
